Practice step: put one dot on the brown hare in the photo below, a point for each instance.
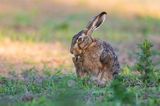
(93, 57)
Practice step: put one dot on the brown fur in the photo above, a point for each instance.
(92, 57)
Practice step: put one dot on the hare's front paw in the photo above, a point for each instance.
(93, 79)
(101, 83)
(98, 82)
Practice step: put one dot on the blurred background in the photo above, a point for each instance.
(38, 33)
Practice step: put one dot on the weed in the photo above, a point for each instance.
(145, 64)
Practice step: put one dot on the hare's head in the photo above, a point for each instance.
(83, 39)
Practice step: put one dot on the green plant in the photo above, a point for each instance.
(145, 64)
(121, 94)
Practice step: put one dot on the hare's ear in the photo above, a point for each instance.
(96, 22)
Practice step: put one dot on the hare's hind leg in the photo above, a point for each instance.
(102, 82)
(104, 77)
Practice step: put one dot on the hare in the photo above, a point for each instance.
(93, 57)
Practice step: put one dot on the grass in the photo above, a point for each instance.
(40, 36)
(129, 88)
(60, 89)
(25, 27)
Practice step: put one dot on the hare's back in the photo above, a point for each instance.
(108, 50)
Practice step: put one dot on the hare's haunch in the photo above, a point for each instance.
(93, 57)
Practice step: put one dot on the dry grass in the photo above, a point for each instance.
(19, 56)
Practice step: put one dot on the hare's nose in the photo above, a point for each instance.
(71, 51)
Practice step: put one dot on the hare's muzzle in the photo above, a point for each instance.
(71, 50)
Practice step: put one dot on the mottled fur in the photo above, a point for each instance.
(92, 57)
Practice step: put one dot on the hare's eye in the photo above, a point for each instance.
(80, 39)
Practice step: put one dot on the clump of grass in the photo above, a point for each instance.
(145, 64)
(121, 94)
